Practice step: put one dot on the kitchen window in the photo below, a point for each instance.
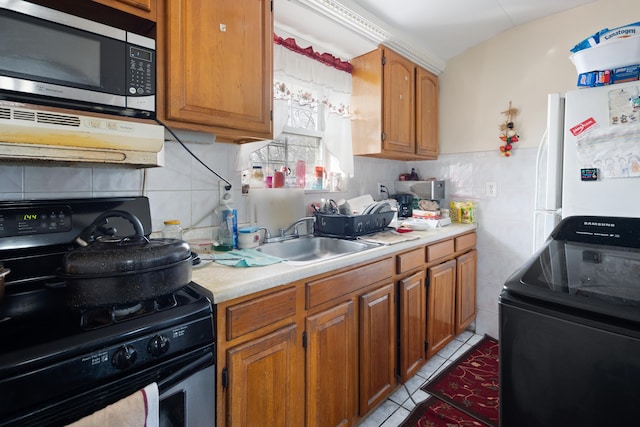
(301, 139)
(311, 118)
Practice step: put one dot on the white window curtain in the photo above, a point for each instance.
(292, 72)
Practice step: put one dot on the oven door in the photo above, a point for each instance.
(186, 384)
(191, 398)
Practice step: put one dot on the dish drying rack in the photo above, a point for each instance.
(375, 218)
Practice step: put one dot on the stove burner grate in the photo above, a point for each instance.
(98, 317)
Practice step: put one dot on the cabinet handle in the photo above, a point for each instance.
(225, 378)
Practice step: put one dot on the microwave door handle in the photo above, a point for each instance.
(185, 372)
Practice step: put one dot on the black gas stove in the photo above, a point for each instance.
(58, 362)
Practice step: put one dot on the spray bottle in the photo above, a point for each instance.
(228, 229)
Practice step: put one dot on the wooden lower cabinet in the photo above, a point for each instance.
(326, 350)
(440, 306)
(263, 387)
(332, 389)
(466, 270)
(377, 346)
(412, 317)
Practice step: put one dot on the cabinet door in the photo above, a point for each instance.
(265, 382)
(399, 104)
(426, 113)
(412, 314)
(377, 346)
(440, 306)
(219, 65)
(466, 290)
(143, 8)
(332, 350)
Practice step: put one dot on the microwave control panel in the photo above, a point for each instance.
(141, 71)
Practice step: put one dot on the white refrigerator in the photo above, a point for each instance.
(589, 159)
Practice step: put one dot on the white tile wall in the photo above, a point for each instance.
(185, 190)
(504, 222)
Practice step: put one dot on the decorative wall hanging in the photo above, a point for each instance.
(508, 133)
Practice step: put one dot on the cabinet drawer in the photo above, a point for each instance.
(439, 250)
(466, 242)
(328, 288)
(409, 260)
(259, 312)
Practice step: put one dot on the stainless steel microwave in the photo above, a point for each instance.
(53, 58)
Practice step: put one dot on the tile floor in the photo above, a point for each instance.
(398, 406)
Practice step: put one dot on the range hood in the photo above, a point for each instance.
(31, 133)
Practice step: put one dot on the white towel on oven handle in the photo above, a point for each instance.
(141, 409)
(153, 405)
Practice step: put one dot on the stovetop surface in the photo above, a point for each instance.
(54, 322)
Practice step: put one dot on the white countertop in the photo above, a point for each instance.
(227, 283)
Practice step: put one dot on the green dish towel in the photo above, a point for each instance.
(245, 258)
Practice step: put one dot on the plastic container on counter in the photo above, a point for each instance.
(248, 237)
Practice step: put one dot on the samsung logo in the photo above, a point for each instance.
(599, 224)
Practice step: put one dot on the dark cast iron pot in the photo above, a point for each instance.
(124, 271)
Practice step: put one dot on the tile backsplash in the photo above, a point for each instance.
(505, 222)
(183, 189)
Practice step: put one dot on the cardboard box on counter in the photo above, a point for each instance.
(418, 213)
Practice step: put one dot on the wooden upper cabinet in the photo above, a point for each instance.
(218, 73)
(144, 8)
(426, 113)
(394, 107)
(399, 125)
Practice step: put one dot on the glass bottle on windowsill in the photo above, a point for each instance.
(257, 177)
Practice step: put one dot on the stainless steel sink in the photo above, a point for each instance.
(307, 250)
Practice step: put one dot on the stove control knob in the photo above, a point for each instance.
(158, 345)
(124, 357)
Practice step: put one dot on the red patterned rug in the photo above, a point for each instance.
(434, 412)
(465, 393)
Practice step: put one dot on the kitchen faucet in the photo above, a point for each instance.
(285, 233)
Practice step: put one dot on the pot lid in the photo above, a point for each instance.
(109, 255)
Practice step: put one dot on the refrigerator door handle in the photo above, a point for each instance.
(542, 148)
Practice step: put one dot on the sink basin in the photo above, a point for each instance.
(307, 250)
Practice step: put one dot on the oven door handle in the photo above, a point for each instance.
(185, 372)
